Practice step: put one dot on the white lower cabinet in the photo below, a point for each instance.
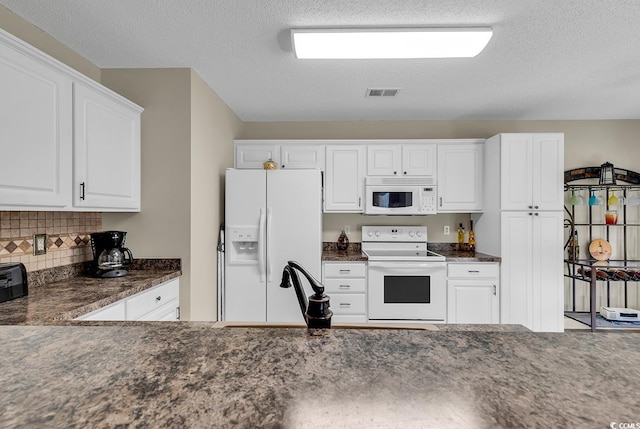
(159, 303)
(345, 283)
(473, 293)
(114, 311)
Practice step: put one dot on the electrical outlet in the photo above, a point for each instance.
(39, 244)
(447, 230)
(347, 229)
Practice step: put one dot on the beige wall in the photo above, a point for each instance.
(213, 128)
(163, 227)
(31, 34)
(586, 143)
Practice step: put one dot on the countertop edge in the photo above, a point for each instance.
(88, 308)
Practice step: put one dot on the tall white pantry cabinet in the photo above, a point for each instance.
(523, 224)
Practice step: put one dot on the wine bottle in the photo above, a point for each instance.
(472, 237)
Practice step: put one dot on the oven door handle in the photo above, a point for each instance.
(403, 267)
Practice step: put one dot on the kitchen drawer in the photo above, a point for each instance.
(151, 299)
(342, 269)
(484, 270)
(114, 311)
(348, 303)
(348, 318)
(347, 285)
(167, 312)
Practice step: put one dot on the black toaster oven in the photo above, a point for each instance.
(13, 281)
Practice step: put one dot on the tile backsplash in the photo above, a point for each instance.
(68, 239)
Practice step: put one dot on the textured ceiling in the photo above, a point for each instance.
(548, 59)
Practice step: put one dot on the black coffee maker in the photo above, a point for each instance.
(110, 257)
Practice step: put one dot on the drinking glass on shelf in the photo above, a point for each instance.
(634, 200)
(593, 200)
(576, 199)
(613, 200)
(611, 217)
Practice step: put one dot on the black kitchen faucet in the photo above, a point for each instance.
(316, 310)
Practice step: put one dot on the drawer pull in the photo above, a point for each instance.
(345, 304)
(474, 271)
(495, 290)
(345, 271)
(158, 298)
(344, 286)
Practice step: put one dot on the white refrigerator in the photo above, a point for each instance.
(271, 217)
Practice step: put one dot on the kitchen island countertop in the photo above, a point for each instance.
(192, 375)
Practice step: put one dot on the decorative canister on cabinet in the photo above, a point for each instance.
(343, 241)
(270, 164)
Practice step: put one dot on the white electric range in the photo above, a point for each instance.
(406, 281)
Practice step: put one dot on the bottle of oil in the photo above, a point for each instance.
(576, 246)
(460, 237)
(472, 237)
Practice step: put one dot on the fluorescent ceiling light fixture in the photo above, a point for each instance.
(371, 43)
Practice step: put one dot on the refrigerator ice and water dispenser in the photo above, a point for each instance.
(244, 245)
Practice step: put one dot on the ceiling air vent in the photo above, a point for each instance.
(382, 92)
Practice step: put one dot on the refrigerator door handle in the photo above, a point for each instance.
(268, 253)
(261, 245)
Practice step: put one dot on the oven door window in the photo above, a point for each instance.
(392, 199)
(407, 289)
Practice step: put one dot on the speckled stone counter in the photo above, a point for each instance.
(449, 251)
(354, 253)
(191, 375)
(54, 299)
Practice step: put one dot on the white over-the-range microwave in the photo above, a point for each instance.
(400, 196)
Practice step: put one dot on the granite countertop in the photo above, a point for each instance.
(354, 253)
(192, 375)
(51, 301)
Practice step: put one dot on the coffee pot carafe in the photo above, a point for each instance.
(110, 257)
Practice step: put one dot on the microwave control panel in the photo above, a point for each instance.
(428, 200)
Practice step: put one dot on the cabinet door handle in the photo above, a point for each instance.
(158, 298)
(405, 172)
(495, 290)
(395, 172)
(344, 286)
(345, 304)
(359, 201)
(536, 214)
(530, 214)
(440, 201)
(344, 271)
(530, 207)
(535, 207)
(82, 191)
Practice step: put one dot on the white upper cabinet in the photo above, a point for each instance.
(532, 171)
(401, 159)
(344, 178)
(384, 160)
(460, 173)
(418, 159)
(68, 142)
(302, 156)
(253, 155)
(290, 154)
(106, 151)
(35, 132)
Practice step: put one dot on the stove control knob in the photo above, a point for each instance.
(370, 233)
(419, 234)
(410, 233)
(377, 233)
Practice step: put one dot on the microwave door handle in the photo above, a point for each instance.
(261, 245)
